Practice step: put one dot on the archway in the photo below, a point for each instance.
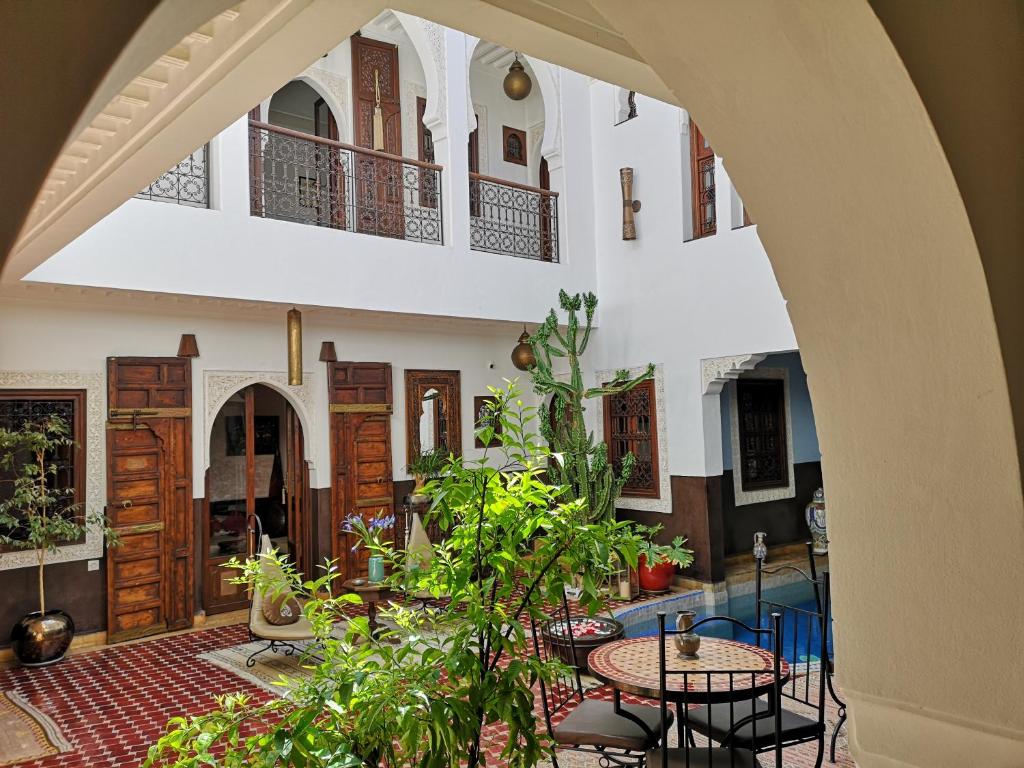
(257, 471)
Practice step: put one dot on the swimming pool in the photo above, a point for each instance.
(641, 621)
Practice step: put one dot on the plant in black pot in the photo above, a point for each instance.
(37, 515)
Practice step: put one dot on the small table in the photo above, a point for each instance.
(371, 594)
(631, 665)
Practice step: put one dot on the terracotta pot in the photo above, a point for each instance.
(657, 578)
(40, 639)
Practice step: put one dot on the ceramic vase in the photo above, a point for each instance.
(375, 566)
(760, 548)
(816, 522)
(687, 643)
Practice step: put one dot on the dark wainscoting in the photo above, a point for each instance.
(696, 514)
(70, 587)
(782, 520)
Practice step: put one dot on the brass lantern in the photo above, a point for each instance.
(522, 355)
(517, 83)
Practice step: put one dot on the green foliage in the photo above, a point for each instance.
(428, 464)
(655, 554)
(580, 463)
(37, 515)
(512, 542)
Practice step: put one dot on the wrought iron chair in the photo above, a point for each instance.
(725, 691)
(289, 638)
(804, 636)
(619, 734)
(821, 600)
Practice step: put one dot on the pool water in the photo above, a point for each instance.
(797, 628)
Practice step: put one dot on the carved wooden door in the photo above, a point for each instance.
(330, 202)
(361, 405)
(149, 495)
(380, 187)
(297, 496)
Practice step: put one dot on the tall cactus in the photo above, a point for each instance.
(580, 463)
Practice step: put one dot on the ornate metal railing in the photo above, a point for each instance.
(187, 183)
(513, 219)
(311, 180)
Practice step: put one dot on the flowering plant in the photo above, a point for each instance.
(370, 532)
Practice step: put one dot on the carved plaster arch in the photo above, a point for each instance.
(547, 76)
(335, 90)
(427, 38)
(219, 386)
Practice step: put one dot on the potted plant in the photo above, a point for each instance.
(38, 516)
(657, 562)
(425, 467)
(371, 534)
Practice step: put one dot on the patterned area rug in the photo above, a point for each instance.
(25, 732)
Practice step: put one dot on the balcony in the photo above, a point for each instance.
(312, 180)
(513, 219)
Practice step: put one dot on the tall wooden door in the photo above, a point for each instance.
(380, 188)
(149, 495)
(361, 482)
(332, 213)
(297, 496)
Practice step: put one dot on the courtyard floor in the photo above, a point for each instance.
(112, 703)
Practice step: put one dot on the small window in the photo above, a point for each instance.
(630, 426)
(21, 407)
(761, 405)
(625, 106)
(513, 143)
(702, 175)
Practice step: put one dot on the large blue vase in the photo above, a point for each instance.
(376, 569)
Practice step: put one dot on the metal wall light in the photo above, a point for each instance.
(629, 205)
(294, 347)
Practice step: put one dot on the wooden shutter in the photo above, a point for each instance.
(761, 406)
(149, 495)
(631, 426)
(361, 479)
(425, 144)
(702, 175)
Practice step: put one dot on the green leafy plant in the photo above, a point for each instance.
(511, 541)
(36, 514)
(427, 466)
(579, 462)
(656, 554)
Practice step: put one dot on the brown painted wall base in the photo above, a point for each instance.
(73, 588)
(782, 520)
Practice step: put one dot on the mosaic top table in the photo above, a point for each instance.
(631, 666)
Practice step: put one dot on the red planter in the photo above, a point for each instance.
(658, 578)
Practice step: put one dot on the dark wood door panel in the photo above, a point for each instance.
(149, 496)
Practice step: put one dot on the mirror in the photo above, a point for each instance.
(432, 408)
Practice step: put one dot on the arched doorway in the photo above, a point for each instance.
(257, 467)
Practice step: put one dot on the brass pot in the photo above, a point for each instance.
(40, 639)
(687, 643)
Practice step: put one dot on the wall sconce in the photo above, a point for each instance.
(294, 347)
(629, 205)
(522, 356)
(188, 347)
(327, 352)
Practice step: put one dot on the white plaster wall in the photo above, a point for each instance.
(45, 335)
(224, 252)
(664, 300)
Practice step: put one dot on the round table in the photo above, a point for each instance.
(631, 666)
(371, 594)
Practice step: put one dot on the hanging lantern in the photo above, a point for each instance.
(294, 347)
(517, 83)
(522, 355)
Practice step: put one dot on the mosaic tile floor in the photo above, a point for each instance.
(111, 704)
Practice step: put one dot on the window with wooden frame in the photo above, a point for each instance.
(513, 143)
(761, 406)
(21, 407)
(425, 143)
(702, 176)
(630, 426)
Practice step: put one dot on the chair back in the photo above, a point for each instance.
(689, 687)
(803, 635)
(553, 640)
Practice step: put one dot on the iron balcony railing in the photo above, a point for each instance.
(187, 183)
(311, 180)
(513, 219)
